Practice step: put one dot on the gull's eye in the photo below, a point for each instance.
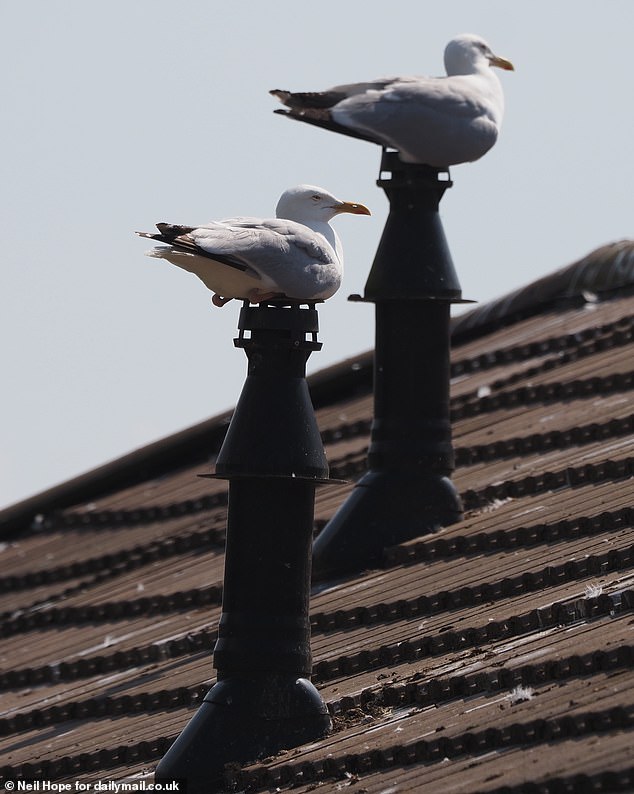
(316, 197)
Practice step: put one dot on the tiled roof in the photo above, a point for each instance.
(494, 655)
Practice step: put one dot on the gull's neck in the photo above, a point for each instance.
(323, 227)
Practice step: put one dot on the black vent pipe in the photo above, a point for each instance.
(407, 490)
(273, 457)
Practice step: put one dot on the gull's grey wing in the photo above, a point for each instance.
(439, 121)
(317, 107)
(289, 254)
(449, 97)
(303, 100)
(186, 239)
(300, 237)
(277, 249)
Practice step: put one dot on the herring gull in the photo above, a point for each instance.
(295, 255)
(438, 121)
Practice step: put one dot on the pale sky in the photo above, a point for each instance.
(121, 114)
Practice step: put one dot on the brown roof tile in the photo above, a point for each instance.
(490, 656)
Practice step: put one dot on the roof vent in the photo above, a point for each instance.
(407, 490)
(273, 457)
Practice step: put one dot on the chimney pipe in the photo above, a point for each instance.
(407, 490)
(273, 457)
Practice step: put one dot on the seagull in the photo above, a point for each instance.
(295, 255)
(438, 121)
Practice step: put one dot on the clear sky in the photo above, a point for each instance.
(120, 114)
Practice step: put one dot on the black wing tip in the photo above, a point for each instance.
(308, 100)
(151, 236)
(174, 230)
(167, 232)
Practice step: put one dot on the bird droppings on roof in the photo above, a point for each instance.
(495, 655)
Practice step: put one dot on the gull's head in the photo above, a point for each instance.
(307, 203)
(468, 53)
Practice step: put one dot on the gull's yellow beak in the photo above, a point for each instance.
(501, 63)
(355, 209)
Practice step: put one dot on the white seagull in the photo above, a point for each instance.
(295, 255)
(438, 121)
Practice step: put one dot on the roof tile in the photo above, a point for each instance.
(493, 655)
